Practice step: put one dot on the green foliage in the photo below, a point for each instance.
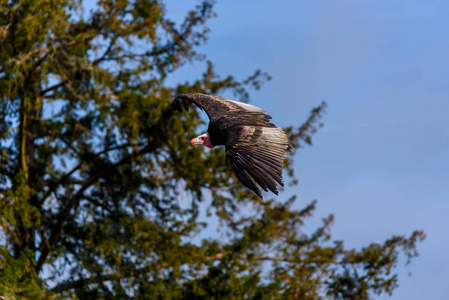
(100, 190)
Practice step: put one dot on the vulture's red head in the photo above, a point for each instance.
(202, 140)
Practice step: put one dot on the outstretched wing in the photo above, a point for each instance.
(257, 154)
(220, 108)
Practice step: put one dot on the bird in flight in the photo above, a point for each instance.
(255, 148)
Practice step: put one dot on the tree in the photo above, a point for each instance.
(100, 191)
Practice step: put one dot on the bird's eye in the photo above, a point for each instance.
(202, 138)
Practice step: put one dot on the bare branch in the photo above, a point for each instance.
(53, 87)
(78, 166)
(108, 50)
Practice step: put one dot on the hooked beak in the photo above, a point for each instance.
(196, 141)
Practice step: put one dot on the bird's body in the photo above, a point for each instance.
(255, 147)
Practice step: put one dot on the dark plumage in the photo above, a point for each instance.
(255, 147)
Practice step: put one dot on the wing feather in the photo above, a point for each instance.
(272, 164)
(258, 152)
(244, 178)
(217, 107)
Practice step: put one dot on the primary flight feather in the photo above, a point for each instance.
(255, 147)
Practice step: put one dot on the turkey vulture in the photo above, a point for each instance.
(255, 147)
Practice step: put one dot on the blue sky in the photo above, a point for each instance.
(380, 164)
